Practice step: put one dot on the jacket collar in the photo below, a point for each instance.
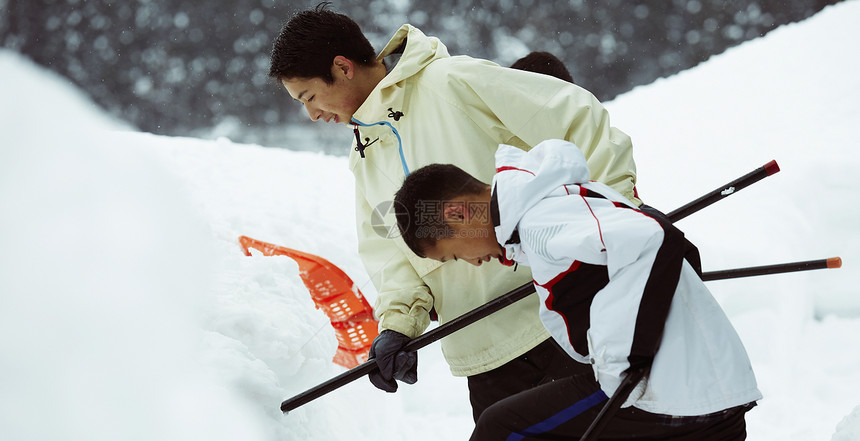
(523, 179)
(418, 51)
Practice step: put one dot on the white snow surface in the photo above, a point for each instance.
(127, 310)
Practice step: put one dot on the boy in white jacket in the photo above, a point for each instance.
(615, 293)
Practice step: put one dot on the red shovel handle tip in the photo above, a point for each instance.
(771, 167)
(834, 262)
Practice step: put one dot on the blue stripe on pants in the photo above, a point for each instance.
(561, 417)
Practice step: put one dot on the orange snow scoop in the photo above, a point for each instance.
(336, 295)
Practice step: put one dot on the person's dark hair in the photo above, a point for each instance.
(544, 63)
(308, 43)
(419, 204)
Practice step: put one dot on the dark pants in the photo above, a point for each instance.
(546, 362)
(563, 410)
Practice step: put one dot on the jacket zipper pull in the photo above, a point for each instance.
(359, 147)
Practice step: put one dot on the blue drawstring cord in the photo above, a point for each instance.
(399, 141)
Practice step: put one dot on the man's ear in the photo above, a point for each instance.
(343, 66)
(454, 212)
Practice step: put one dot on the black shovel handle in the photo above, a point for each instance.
(510, 297)
(513, 297)
(725, 191)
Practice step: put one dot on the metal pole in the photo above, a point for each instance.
(833, 262)
(725, 191)
(508, 298)
(414, 345)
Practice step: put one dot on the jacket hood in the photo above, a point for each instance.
(420, 51)
(386, 103)
(525, 178)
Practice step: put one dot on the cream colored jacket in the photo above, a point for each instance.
(435, 108)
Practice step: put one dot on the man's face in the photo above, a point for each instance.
(335, 102)
(473, 245)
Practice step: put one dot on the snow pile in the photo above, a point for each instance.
(129, 312)
(849, 428)
(103, 265)
(791, 96)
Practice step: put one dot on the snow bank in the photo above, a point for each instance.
(103, 266)
(849, 428)
(791, 96)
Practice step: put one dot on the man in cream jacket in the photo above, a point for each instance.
(411, 105)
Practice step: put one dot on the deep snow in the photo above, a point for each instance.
(127, 310)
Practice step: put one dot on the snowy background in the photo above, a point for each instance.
(184, 68)
(127, 310)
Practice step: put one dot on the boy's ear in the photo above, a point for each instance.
(454, 212)
(343, 66)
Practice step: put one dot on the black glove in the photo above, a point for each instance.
(393, 363)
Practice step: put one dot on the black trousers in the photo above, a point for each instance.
(564, 409)
(546, 362)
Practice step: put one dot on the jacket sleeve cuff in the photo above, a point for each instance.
(412, 325)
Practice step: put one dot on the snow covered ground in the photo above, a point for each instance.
(127, 310)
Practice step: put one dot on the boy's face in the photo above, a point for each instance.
(473, 245)
(474, 238)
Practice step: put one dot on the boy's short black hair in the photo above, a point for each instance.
(308, 43)
(545, 63)
(419, 204)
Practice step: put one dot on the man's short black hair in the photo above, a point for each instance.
(419, 204)
(308, 43)
(545, 63)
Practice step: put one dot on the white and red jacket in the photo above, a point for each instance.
(614, 286)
